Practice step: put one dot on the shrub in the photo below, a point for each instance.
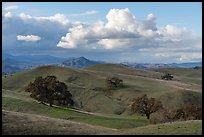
(167, 76)
(186, 112)
(114, 82)
(162, 116)
(189, 112)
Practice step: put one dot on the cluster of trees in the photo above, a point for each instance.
(50, 90)
(186, 112)
(114, 82)
(167, 76)
(147, 106)
(189, 111)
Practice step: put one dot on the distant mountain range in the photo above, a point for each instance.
(78, 62)
(162, 65)
(11, 64)
(34, 59)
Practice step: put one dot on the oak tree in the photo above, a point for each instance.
(50, 90)
(147, 106)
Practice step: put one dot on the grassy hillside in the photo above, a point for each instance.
(89, 88)
(30, 107)
(188, 72)
(178, 91)
(188, 75)
(21, 79)
(90, 94)
(120, 69)
(16, 123)
(191, 127)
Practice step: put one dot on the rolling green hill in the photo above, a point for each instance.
(120, 69)
(188, 75)
(89, 88)
(96, 105)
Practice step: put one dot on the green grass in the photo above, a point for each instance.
(15, 94)
(21, 79)
(17, 105)
(178, 98)
(120, 69)
(188, 72)
(16, 123)
(192, 127)
(187, 75)
(193, 80)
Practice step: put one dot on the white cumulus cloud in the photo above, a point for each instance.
(121, 32)
(59, 18)
(32, 38)
(124, 31)
(109, 34)
(121, 20)
(151, 17)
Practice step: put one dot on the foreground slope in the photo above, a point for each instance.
(17, 123)
(111, 121)
(191, 127)
(28, 124)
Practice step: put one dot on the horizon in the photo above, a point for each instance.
(144, 32)
(106, 62)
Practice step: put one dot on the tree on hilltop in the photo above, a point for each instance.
(167, 76)
(114, 82)
(50, 90)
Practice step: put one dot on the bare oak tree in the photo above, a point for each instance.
(144, 105)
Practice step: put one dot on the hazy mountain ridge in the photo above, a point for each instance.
(162, 65)
(11, 64)
(33, 59)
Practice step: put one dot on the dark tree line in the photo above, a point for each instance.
(50, 90)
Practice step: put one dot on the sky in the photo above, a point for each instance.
(142, 32)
